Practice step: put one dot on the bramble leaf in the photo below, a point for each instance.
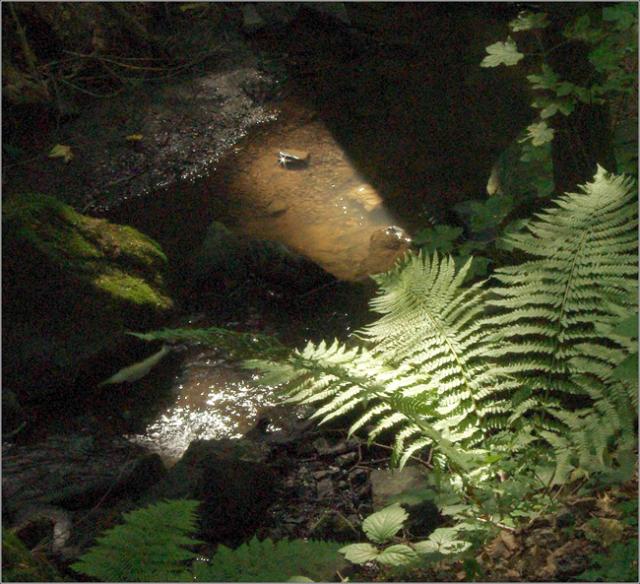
(384, 524)
(397, 555)
(359, 553)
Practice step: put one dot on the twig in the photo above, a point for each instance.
(91, 93)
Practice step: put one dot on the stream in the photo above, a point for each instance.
(322, 209)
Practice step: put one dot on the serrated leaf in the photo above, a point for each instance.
(426, 547)
(61, 151)
(397, 555)
(359, 553)
(502, 54)
(383, 525)
(528, 21)
(539, 134)
(547, 79)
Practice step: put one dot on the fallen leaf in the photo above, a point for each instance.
(134, 137)
(61, 151)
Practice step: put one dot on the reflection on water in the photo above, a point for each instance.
(323, 209)
(215, 400)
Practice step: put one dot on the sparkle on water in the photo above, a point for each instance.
(215, 400)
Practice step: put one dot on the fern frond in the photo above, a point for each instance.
(549, 308)
(151, 546)
(268, 561)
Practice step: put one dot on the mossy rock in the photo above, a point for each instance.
(73, 284)
(20, 565)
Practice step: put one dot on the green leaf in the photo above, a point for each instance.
(539, 134)
(529, 20)
(359, 553)
(502, 53)
(440, 238)
(150, 546)
(564, 88)
(383, 525)
(546, 80)
(426, 547)
(397, 555)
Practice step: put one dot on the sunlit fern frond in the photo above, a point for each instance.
(420, 377)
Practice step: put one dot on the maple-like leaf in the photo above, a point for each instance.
(502, 53)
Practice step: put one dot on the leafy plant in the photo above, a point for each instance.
(382, 527)
(152, 545)
(512, 389)
(619, 564)
(611, 37)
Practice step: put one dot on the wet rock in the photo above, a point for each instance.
(235, 487)
(74, 472)
(73, 285)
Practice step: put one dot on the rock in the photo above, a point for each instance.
(235, 487)
(325, 489)
(74, 472)
(73, 284)
(386, 484)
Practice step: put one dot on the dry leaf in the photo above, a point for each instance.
(61, 151)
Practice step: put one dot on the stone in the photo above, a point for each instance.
(325, 489)
(73, 285)
(386, 484)
(235, 488)
(74, 472)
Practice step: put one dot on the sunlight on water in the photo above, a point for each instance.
(214, 401)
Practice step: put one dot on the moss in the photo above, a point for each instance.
(123, 286)
(117, 259)
(20, 565)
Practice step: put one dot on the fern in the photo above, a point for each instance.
(268, 561)
(238, 344)
(151, 545)
(422, 376)
(552, 308)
